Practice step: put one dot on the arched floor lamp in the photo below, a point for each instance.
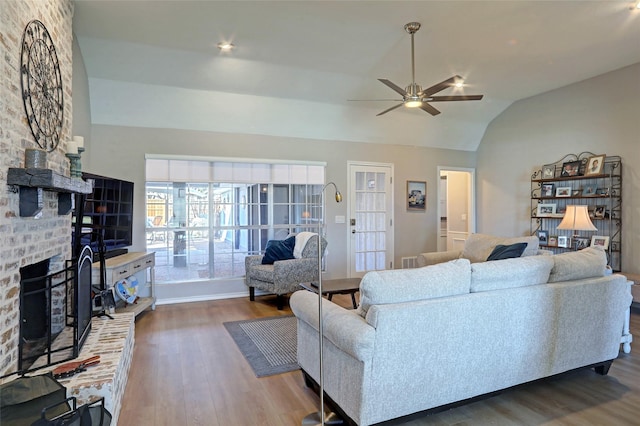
(318, 417)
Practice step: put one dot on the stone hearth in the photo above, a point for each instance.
(113, 340)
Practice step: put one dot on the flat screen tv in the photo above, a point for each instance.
(105, 216)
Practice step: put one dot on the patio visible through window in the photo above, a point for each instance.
(202, 228)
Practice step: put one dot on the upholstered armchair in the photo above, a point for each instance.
(283, 276)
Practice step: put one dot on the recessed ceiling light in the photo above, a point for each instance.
(225, 47)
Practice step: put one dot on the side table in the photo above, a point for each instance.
(627, 337)
(336, 286)
(635, 289)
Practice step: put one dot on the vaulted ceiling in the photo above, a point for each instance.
(317, 55)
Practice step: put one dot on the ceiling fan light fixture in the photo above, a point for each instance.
(414, 96)
(225, 46)
(413, 103)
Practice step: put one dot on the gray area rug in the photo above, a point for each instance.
(268, 344)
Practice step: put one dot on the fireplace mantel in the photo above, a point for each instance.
(31, 183)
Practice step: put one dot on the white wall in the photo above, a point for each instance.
(600, 115)
(119, 151)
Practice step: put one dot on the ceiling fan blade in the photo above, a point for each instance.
(428, 108)
(440, 86)
(390, 109)
(393, 86)
(374, 100)
(455, 98)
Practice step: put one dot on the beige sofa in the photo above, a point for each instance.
(427, 337)
(478, 247)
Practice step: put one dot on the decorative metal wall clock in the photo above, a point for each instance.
(41, 83)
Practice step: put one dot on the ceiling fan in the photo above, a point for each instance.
(416, 97)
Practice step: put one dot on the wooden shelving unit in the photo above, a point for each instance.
(601, 192)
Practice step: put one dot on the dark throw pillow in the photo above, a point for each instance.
(507, 252)
(278, 250)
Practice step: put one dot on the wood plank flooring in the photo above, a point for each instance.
(188, 371)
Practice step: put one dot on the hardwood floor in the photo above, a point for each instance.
(188, 371)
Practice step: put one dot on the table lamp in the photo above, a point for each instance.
(576, 218)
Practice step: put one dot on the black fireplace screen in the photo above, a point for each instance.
(55, 312)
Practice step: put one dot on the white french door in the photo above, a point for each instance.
(370, 217)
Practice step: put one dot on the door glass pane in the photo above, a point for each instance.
(360, 185)
(371, 221)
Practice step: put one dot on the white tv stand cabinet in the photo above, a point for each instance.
(123, 266)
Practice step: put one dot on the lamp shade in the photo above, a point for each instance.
(576, 218)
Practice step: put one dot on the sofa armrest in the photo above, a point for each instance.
(343, 327)
(435, 257)
(544, 252)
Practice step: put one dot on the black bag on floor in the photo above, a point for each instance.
(23, 399)
(92, 414)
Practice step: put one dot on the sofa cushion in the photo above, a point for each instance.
(278, 250)
(479, 246)
(404, 285)
(509, 273)
(507, 252)
(576, 265)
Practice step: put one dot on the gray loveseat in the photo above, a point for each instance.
(477, 247)
(427, 337)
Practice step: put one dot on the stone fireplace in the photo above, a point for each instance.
(55, 311)
(47, 235)
(29, 240)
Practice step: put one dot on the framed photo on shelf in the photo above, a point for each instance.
(416, 195)
(564, 241)
(543, 237)
(548, 171)
(581, 242)
(594, 165)
(599, 212)
(600, 241)
(546, 209)
(603, 192)
(546, 190)
(589, 190)
(563, 191)
(553, 241)
(570, 168)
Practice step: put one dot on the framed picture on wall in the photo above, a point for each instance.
(589, 190)
(563, 191)
(599, 212)
(416, 195)
(594, 165)
(543, 236)
(548, 171)
(547, 189)
(546, 209)
(563, 241)
(570, 168)
(600, 241)
(581, 242)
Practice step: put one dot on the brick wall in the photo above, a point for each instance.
(28, 240)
